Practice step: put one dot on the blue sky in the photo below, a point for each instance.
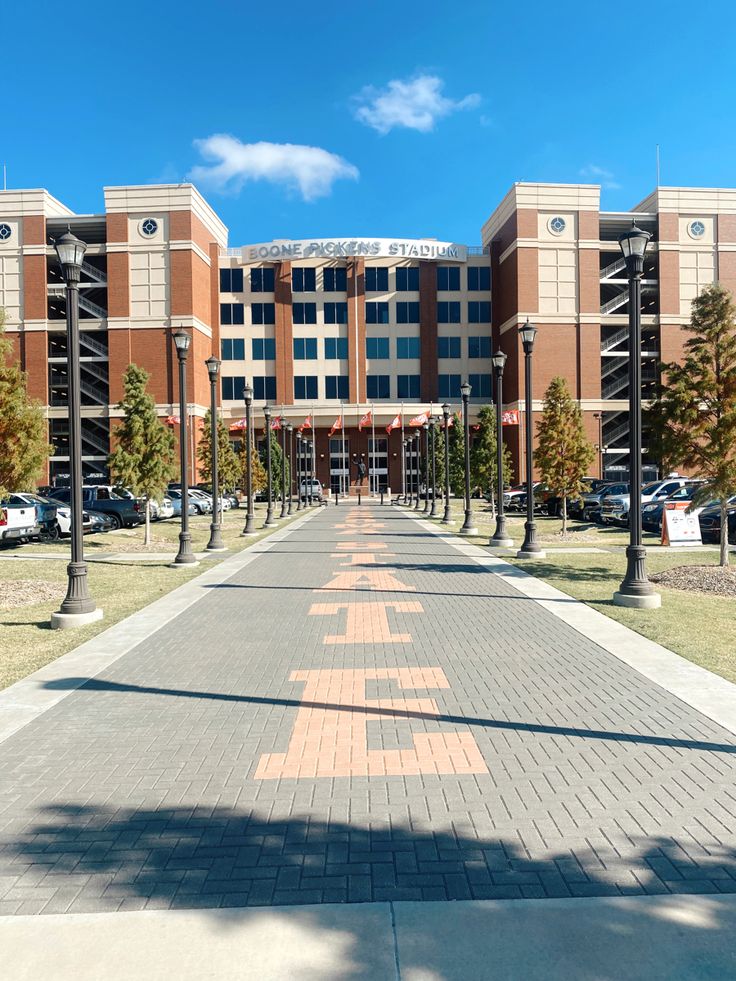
(306, 119)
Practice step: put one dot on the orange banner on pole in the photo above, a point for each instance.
(365, 421)
(420, 419)
(394, 424)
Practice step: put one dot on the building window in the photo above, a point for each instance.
(336, 313)
(335, 279)
(479, 278)
(304, 313)
(264, 388)
(407, 386)
(232, 349)
(376, 312)
(557, 225)
(448, 312)
(232, 388)
(480, 386)
(231, 280)
(448, 277)
(262, 280)
(408, 347)
(305, 348)
(448, 347)
(337, 387)
(232, 313)
(263, 313)
(479, 311)
(376, 279)
(407, 279)
(304, 280)
(378, 386)
(5, 232)
(376, 348)
(336, 348)
(264, 349)
(305, 386)
(448, 386)
(407, 313)
(149, 227)
(479, 347)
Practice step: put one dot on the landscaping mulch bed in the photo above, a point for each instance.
(714, 580)
(571, 536)
(27, 592)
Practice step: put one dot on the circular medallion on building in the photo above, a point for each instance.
(149, 227)
(5, 232)
(696, 229)
(557, 225)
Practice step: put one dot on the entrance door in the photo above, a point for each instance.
(339, 464)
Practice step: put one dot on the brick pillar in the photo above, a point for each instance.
(356, 331)
(428, 330)
(284, 335)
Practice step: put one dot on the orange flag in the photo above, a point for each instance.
(365, 421)
(420, 419)
(394, 424)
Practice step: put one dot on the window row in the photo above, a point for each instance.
(379, 348)
(264, 388)
(448, 386)
(337, 387)
(376, 312)
(334, 279)
(264, 348)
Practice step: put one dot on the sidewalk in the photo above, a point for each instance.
(366, 713)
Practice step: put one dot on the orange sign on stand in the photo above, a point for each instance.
(678, 527)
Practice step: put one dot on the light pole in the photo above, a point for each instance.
(282, 513)
(500, 538)
(418, 491)
(78, 607)
(215, 543)
(425, 427)
(446, 416)
(468, 527)
(299, 470)
(402, 498)
(598, 416)
(249, 516)
(635, 589)
(269, 522)
(290, 431)
(185, 556)
(433, 510)
(530, 548)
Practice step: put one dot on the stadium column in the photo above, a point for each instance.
(284, 334)
(428, 330)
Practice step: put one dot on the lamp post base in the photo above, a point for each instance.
(215, 544)
(500, 542)
(189, 564)
(468, 532)
(250, 528)
(649, 601)
(537, 554)
(66, 621)
(273, 523)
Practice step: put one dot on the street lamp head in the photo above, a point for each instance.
(465, 390)
(182, 340)
(70, 251)
(267, 413)
(298, 436)
(527, 332)
(289, 427)
(499, 362)
(248, 395)
(446, 411)
(213, 368)
(425, 425)
(634, 242)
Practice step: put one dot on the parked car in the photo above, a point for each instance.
(45, 514)
(97, 521)
(513, 496)
(652, 514)
(202, 502)
(590, 503)
(162, 509)
(228, 499)
(710, 522)
(125, 512)
(18, 521)
(615, 507)
(175, 498)
(311, 488)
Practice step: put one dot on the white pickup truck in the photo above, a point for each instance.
(17, 519)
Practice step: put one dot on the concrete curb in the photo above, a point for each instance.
(30, 697)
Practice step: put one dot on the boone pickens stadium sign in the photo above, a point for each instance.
(340, 248)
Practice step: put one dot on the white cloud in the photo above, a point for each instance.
(416, 103)
(308, 169)
(599, 175)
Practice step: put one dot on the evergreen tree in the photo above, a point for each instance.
(258, 471)
(483, 467)
(24, 446)
(228, 465)
(457, 456)
(276, 463)
(564, 454)
(694, 416)
(144, 455)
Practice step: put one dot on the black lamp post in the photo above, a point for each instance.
(530, 548)
(425, 427)
(299, 470)
(433, 510)
(500, 538)
(290, 432)
(250, 528)
(418, 451)
(78, 607)
(185, 556)
(446, 416)
(403, 471)
(282, 422)
(215, 543)
(468, 527)
(635, 590)
(269, 522)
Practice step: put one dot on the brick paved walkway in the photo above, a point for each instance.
(363, 714)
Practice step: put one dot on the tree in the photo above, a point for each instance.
(276, 461)
(228, 465)
(564, 454)
(483, 468)
(258, 471)
(457, 456)
(24, 445)
(143, 458)
(694, 415)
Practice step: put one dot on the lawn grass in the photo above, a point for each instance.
(699, 627)
(26, 639)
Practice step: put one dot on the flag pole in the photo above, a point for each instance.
(373, 449)
(342, 433)
(403, 469)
